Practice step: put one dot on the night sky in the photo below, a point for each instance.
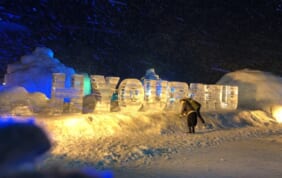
(184, 40)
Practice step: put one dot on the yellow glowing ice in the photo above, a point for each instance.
(277, 113)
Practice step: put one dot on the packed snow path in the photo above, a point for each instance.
(138, 140)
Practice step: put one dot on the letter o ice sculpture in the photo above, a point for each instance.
(131, 95)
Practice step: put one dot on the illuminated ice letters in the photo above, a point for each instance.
(103, 88)
(133, 95)
(156, 94)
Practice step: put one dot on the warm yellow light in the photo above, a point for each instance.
(277, 113)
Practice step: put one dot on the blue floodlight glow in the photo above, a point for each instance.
(5, 122)
(94, 173)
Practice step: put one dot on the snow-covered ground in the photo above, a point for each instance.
(243, 143)
(157, 145)
(246, 142)
(254, 157)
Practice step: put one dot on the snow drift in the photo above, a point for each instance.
(34, 71)
(257, 89)
(118, 139)
(17, 101)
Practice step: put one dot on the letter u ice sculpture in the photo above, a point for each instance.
(176, 91)
(156, 93)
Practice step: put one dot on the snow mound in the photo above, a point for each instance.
(112, 139)
(139, 124)
(17, 101)
(257, 89)
(34, 71)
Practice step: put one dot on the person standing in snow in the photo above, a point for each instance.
(191, 109)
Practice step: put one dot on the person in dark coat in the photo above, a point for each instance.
(191, 109)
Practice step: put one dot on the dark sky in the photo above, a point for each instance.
(185, 40)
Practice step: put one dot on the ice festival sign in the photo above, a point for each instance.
(148, 94)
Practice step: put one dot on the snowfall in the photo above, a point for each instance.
(246, 142)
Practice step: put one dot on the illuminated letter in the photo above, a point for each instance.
(176, 91)
(155, 94)
(229, 97)
(103, 88)
(130, 95)
(57, 95)
(77, 93)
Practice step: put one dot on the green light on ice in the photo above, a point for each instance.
(87, 85)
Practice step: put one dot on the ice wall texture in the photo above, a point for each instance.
(257, 89)
(34, 71)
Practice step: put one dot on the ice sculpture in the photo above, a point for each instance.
(57, 92)
(212, 96)
(151, 75)
(131, 95)
(162, 93)
(103, 89)
(155, 90)
(176, 91)
(229, 98)
(112, 83)
(196, 91)
(60, 93)
(87, 84)
(215, 97)
(34, 72)
(232, 99)
(156, 94)
(78, 93)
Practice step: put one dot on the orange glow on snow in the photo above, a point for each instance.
(277, 113)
